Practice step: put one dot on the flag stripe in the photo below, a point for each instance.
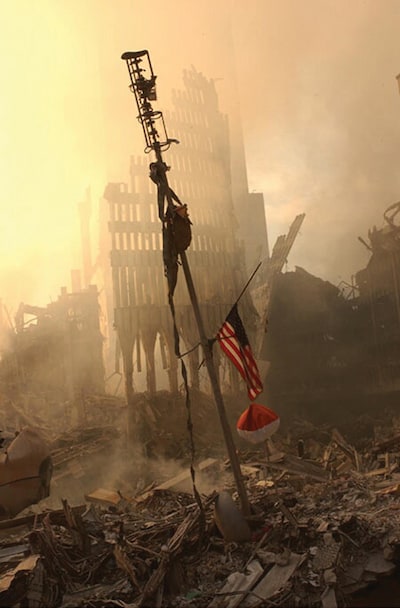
(233, 341)
(231, 346)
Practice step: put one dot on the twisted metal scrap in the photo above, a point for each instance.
(170, 552)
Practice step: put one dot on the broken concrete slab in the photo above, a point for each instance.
(377, 564)
(328, 598)
(237, 586)
(273, 582)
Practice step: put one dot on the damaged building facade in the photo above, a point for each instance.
(55, 351)
(201, 176)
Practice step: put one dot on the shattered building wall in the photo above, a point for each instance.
(201, 177)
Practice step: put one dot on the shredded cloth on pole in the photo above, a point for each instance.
(176, 231)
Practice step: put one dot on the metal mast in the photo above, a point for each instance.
(142, 85)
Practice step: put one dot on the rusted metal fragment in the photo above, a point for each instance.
(25, 472)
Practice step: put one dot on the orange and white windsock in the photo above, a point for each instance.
(257, 423)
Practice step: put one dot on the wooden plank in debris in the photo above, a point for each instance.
(344, 466)
(272, 582)
(29, 520)
(387, 444)
(101, 496)
(327, 455)
(393, 488)
(237, 586)
(346, 448)
(27, 564)
(178, 479)
(382, 471)
(294, 465)
(248, 470)
(175, 481)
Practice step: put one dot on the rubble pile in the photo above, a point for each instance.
(163, 423)
(56, 418)
(320, 529)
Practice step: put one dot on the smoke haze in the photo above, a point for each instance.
(319, 105)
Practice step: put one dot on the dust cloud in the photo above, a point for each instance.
(313, 84)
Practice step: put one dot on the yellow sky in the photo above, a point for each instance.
(319, 103)
(46, 157)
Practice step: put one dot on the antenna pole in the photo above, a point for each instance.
(144, 91)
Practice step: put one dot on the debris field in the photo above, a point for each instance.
(324, 525)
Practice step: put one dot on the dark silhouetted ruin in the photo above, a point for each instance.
(338, 347)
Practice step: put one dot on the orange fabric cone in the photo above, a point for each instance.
(257, 423)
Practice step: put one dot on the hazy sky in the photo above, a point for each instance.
(318, 97)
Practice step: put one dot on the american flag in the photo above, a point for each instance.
(233, 340)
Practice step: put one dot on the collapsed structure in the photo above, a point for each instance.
(338, 346)
(54, 350)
